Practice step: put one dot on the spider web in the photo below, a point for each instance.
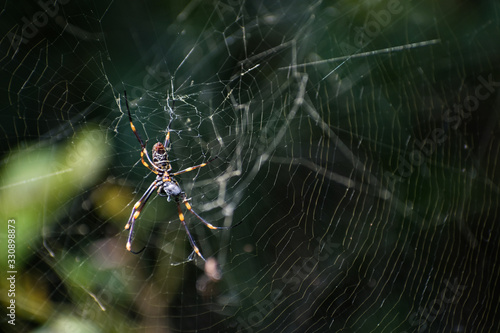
(356, 144)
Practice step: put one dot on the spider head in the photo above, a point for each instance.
(160, 154)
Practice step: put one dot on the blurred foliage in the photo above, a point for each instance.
(39, 181)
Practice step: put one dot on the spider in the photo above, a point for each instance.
(166, 186)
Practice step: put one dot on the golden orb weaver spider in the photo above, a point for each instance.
(166, 184)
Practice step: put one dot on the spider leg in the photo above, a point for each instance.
(191, 240)
(167, 136)
(136, 211)
(188, 206)
(193, 167)
(144, 151)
